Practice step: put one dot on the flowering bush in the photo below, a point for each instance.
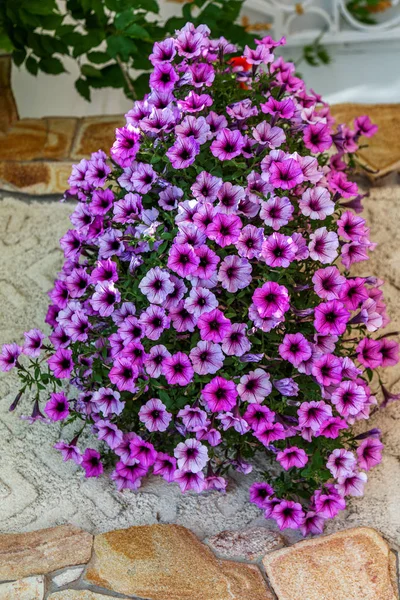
(204, 311)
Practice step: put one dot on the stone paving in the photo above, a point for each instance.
(168, 562)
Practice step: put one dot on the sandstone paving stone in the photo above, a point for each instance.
(80, 595)
(43, 551)
(95, 133)
(248, 544)
(31, 588)
(67, 576)
(35, 177)
(355, 564)
(168, 562)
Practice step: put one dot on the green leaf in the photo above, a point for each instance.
(124, 19)
(119, 45)
(89, 71)
(85, 43)
(137, 31)
(51, 65)
(5, 42)
(98, 58)
(31, 65)
(40, 7)
(18, 57)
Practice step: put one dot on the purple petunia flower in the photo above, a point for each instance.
(178, 369)
(154, 415)
(213, 326)
(91, 463)
(33, 343)
(57, 408)
(156, 285)
(183, 153)
(220, 394)
(227, 144)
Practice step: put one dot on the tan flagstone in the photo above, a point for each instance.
(37, 139)
(79, 595)
(248, 544)
(168, 562)
(67, 576)
(35, 177)
(95, 133)
(31, 588)
(382, 154)
(60, 135)
(43, 551)
(355, 564)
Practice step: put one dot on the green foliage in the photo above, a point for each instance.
(109, 39)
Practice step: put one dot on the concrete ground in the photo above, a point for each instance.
(37, 489)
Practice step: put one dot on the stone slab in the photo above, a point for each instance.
(31, 588)
(382, 154)
(40, 552)
(248, 544)
(67, 576)
(35, 177)
(80, 595)
(161, 562)
(355, 564)
(95, 133)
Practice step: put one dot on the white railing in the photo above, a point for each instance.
(302, 22)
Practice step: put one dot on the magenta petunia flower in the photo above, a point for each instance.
(285, 174)
(61, 363)
(313, 414)
(331, 318)
(224, 229)
(255, 386)
(317, 137)
(183, 260)
(191, 456)
(328, 283)
(220, 394)
(369, 453)
(316, 203)
(327, 370)
(341, 462)
(177, 369)
(164, 77)
(57, 408)
(352, 484)
(227, 145)
(349, 398)
(142, 451)
(124, 375)
(91, 463)
(69, 451)
(194, 102)
(187, 480)
(213, 326)
(329, 505)
(156, 285)
(105, 297)
(295, 348)
(154, 415)
(292, 457)
(276, 212)
(271, 299)
(363, 126)
(323, 245)
(278, 250)
(288, 514)
(165, 466)
(33, 343)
